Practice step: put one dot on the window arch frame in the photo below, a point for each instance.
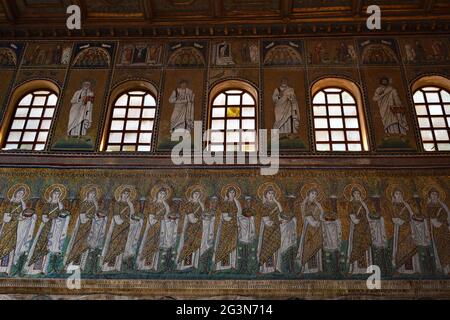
(117, 92)
(440, 82)
(17, 95)
(354, 90)
(229, 85)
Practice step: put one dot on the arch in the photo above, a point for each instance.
(431, 96)
(345, 86)
(18, 94)
(378, 53)
(8, 57)
(139, 89)
(233, 117)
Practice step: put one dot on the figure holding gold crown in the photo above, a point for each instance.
(407, 234)
(90, 228)
(160, 231)
(310, 248)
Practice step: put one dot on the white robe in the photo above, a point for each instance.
(332, 235)
(94, 239)
(207, 234)
(286, 110)
(80, 116)
(233, 255)
(25, 229)
(354, 268)
(378, 233)
(151, 222)
(310, 222)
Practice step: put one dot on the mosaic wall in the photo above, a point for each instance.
(157, 224)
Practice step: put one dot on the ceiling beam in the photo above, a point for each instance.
(11, 10)
(428, 5)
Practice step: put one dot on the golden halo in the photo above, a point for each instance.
(159, 186)
(348, 191)
(85, 190)
(52, 188)
(120, 189)
(394, 187)
(262, 190)
(195, 187)
(312, 186)
(427, 189)
(12, 191)
(225, 189)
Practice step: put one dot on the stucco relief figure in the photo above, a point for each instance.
(439, 215)
(182, 99)
(410, 232)
(80, 116)
(124, 231)
(90, 229)
(188, 255)
(48, 244)
(310, 248)
(17, 228)
(155, 212)
(359, 253)
(225, 248)
(224, 55)
(287, 115)
(391, 109)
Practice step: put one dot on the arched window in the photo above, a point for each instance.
(132, 122)
(432, 104)
(233, 122)
(338, 118)
(31, 118)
